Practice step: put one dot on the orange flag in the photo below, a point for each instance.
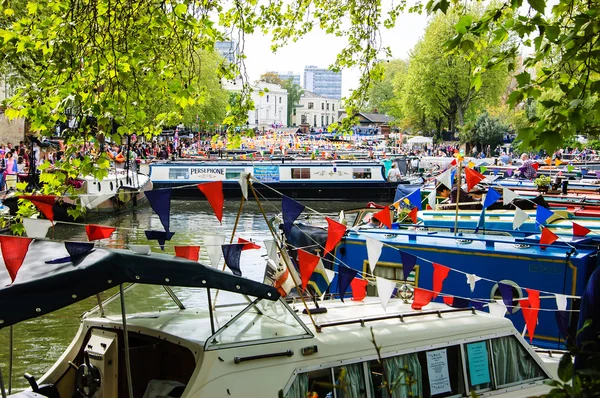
(44, 203)
(413, 215)
(557, 162)
(307, 262)
(335, 233)
(384, 217)
(548, 237)
(214, 194)
(189, 252)
(473, 178)
(580, 230)
(14, 249)
(548, 161)
(359, 289)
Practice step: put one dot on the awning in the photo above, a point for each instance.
(41, 288)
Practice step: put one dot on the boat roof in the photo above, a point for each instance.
(41, 287)
(225, 162)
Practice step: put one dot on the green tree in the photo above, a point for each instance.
(488, 130)
(294, 93)
(270, 77)
(382, 93)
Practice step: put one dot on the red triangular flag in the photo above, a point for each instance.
(440, 272)
(189, 252)
(580, 230)
(454, 162)
(535, 166)
(413, 215)
(214, 193)
(421, 298)
(307, 263)
(248, 245)
(472, 177)
(531, 309)
(449, 300)
(44, 203)
(97, 232)
(335, 233)
(359, 289)
(14, 249)
(384, 217)
(548, 237)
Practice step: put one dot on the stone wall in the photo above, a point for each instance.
(11, 131)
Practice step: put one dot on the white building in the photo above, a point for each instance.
(316, 110)
(323, 81)
(270, 109)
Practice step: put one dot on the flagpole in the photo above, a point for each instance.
(458, 188)
(276, 241)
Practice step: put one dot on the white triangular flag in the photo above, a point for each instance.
(213, 245)
(497, 309)
(374, 248)
(561, 302)
(508, 196)
(272, 250)
(431, 199)
(36, 227)
(328, 274)
(472, 280)
(445, 178)
(342, 217)
(520, 218)
(385, 288)
(244, 183)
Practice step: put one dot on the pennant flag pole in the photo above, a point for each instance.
(14, 249)
(290, 210)
(214, 194)
(189, 252)
(335, 233)
(213, 245)
(36, 227)
(345, 277)
(160, 201)
(385, 288)
(97, 232)
(374, 248)
(307, 263)
(231, 254)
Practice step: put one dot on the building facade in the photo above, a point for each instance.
(323, 81)
(289, 75)
(11, 131)
(228, 50)
(315, 110)
(270, 109)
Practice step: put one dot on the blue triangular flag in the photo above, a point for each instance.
(459, 302)
(345, 276)
(415, 198)
(408, 263)
(562, 320)
(231, 254)
(495, 172)
(481, 222)
(78, 250)
(542, 214)
(452, 175)
(160, 200)
(491, 198)
(506, 291)
(160, 236)
(584, 172)
(290, 210)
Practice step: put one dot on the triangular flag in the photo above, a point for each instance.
(495, 172)
(531, 308)
(413, 214)
(570, 168)
(557, 162)
(508, 196)
(44, 203)
(542, 214)
(97, 232)
(483, 169)
(454, 162)
(497, 309)
(520, 218)
(481, 222)
(290, 210)
(307, 262)
(456, 302)
(584, 172)
(478, 305)
(78, 250)
(374, 247)
(491, 197)
(213, 245)
(327, 273)
(415, 198)
(14, 249)
(507, 296)
(345, 277)
(473, 178)
(421, 298)
(440, 272)
(189, 252)
(359, 289)
(472, 279)
(384, 217)
(36, 227)
(160, 200)
(597, 173)
(470, 164)
(214, 194)
(445, 178)
(396, 205)
(562, 321)
(231, 254)
(408, 263)
(548, 161)
(561, 302)
(271, 247)
(535, 165)
(548, 237)
(509, 172)
(243, 180)
(385, 288)
(432, 199)
(160, 236)
(335, 233)
(580, 230)
(248, 244)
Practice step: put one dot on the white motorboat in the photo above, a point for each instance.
(264, 347)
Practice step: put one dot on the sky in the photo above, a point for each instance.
(319, 49)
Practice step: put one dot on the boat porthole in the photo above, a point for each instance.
(112, 186)
(99, 187)
(110, 281)
(517, 293)
(237, 287)
(269, 294)
(167, 280)
(137, 277)
(38, 310)
(204, 282)
(74, 296)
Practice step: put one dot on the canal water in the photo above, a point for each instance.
(39, 342)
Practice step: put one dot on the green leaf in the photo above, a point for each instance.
(476, 82)
(463, 24)
(538, 5)
(552, 32)
(180, 9)
(523, 78)
(467, 46)
(565, 368)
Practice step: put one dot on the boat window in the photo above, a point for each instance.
(231, 174)
(442, 372)
(300, 173)
(312, 384)
(179, 174)
(350, 381)
(361, 173)
(513, 363)
(479, 369)
(402, 373)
